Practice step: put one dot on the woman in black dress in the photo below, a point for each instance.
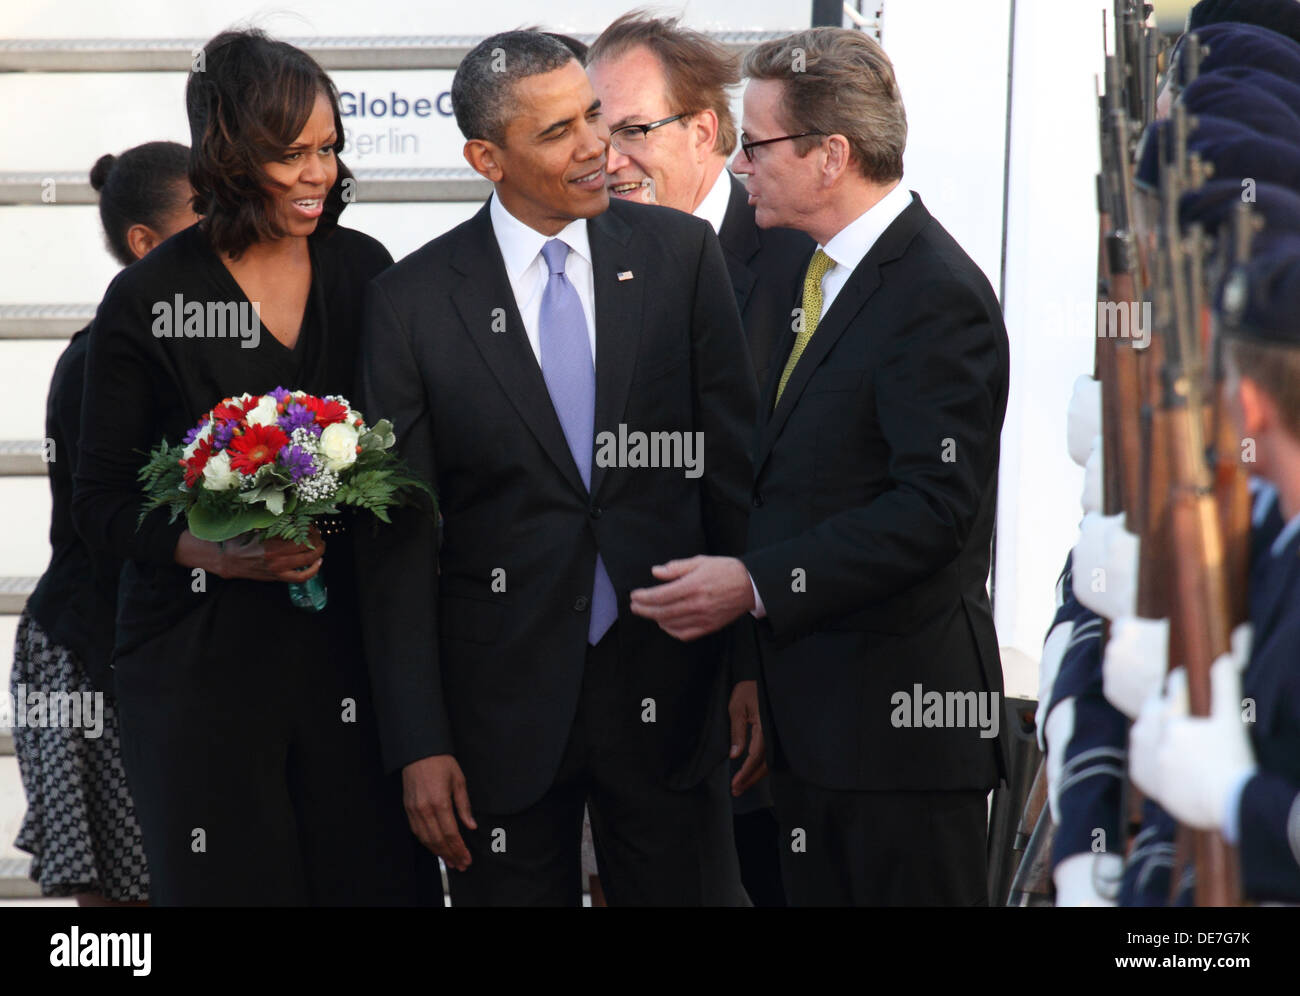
(247, 728)
(80, 826)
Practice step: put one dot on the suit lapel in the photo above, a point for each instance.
(618, 319)
(862, 283)
(479, 298)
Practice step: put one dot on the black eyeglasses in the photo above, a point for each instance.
(632, 137)
(747, 146)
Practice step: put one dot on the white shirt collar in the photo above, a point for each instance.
(521, 244)
(851, 243)
(713, 208)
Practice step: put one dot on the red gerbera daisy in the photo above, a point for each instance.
(197, 461)
(326, 412)
(257, 446)
(233, 409)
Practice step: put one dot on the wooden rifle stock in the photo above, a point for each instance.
(1203, 611)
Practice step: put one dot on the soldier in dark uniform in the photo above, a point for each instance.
(1238, 770)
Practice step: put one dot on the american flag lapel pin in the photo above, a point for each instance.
(624, 274)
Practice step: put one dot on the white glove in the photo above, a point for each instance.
(1191, 765)
(1053, 650)
(1136, 658)
(1057, 733)
(1092, 479)
(1145, 735)
(1081, 878)
(1105, 566)
(1243, 638)
(1083, 418)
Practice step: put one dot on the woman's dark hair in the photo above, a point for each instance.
(140, 187)
(248, 98)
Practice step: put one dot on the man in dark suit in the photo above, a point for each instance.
(562, 371)
(647, 70)
(873, 502)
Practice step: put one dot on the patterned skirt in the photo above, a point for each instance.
(80, 825)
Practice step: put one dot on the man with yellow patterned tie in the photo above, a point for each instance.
(874, 498)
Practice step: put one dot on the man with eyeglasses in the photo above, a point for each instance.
(874, 498)
(664, 92)
(663, 89)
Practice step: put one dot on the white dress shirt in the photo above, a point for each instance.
(521, 248)
(851, 243)
(713, 208)
(847, 248)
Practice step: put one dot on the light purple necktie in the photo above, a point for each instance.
(571, 379)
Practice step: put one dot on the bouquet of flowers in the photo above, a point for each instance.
(273, 463)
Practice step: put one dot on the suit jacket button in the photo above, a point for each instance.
(580, 603)
(595, 511)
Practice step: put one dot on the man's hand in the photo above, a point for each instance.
(745, 724)
(701, 596)
(430, 787)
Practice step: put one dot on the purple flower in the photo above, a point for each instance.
(297, 417)
(297, 461)
(279, 394)
(221, 435)
(193, 434)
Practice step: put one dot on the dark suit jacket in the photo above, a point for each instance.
(493, 676)
(766, 267)
(875, 492)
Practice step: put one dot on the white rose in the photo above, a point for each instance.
(264, 413)
(217, 475)
(338, 446)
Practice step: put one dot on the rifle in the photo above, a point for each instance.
(1203, 608)
(1123, 365)
(1231, 488)
(1122, 285)
(1032, 883)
